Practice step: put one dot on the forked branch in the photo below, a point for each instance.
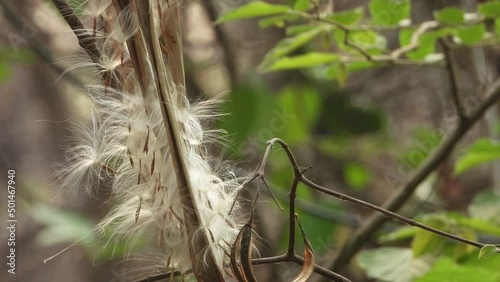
(291, 256)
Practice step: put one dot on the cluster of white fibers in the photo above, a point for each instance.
(128, 143)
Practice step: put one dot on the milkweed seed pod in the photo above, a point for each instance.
(149, 139)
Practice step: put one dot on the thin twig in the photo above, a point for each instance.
(301, 178)
(387, 213)
(374, 222)
(415, 39)
(300, 261)
(453, 78)
(318, 210)
(290, 255)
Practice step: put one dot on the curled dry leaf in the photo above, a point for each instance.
(308, 267)
(242, 250)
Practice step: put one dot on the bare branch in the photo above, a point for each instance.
(453, 78)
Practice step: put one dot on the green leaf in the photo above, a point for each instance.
(288, 45)
(302, 5)
(477, 224)
(489, 9)
(427, 42)
(356, 176)
(392, 264)
(278, 21)
(389, 12)
(348, 17)
(304, 61)
(497, 27)
(424, 241)
(482, 151)
(402, 233)
(445, 269)
(490, 264)
(450, 15)
(253, 10)
(300, 28)
(471, 34)
(369, 41)
(487, 251)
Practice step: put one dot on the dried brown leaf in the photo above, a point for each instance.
(309, 259)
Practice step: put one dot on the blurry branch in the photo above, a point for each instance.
(224, 43)
(36, 44)
(453, 78)
(374, 222)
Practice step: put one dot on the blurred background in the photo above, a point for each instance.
(364, 136)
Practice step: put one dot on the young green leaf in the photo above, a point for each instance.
(497, 27)
(348, 17)
(389, 12)
(402, 233)
(302, 5)
(450, 15)
(253, 10)
(288, 45)
(482, 151)
(446, 269)
(278, 21)
(300, 28)
(304, 61)
(471, 34)
(425, 241)
(489, 9)
(487, 251)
